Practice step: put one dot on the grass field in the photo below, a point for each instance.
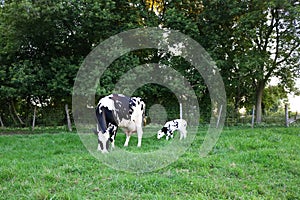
(259, 163)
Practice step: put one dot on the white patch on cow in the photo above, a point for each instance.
(138, 111)
(107, 102)
(103, 138)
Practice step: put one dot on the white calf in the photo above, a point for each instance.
(171, 126)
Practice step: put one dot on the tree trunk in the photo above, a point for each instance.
(252, 120)
(286, 108)
(1, 122)
(34, 117)
(11, 114)
(16, 113)
(259, 95)
(68, 118)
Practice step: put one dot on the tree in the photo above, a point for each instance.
(270, 36)
(274, 97)
(251, 41)
(43, 43)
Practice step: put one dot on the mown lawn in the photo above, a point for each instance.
(259, 163)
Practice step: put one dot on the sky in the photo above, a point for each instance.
(295, 100)
(295, 103)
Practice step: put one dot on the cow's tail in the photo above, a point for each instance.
(101, 120)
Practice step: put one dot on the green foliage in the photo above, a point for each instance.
(252, 42)
(274, 98)
(43, 43)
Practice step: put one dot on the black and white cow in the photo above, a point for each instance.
(171, 126)
(117, 110)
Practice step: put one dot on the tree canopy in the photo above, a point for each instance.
(43, 43)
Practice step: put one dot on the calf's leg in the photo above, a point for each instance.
(182, 134)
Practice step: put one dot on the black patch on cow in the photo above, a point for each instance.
(132, 103)
(107, 144)
(175, 123)
(164, 130)
(123, 106)
(104, 118)
(101, 144)
(116, 97)
(111, 129)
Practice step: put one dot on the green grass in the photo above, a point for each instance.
(260, 163)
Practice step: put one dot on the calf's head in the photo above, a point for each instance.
(162, 132)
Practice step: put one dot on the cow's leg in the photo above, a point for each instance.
(112, 143)
(99, 147)
(139, 131)
(113, 136)
(101, 143)
(127, 138)
(113, 139)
